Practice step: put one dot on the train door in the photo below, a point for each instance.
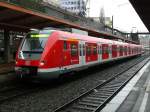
(105, 54)
(65, 53)
(81, 52)
(99, 52)
(117, 50)
(110, 51)
(88, 52)
(114, 51)
(120, 50)
(74, 55)
(129, 50)
(94, 54)
(125, 51)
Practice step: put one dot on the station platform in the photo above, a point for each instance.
(6, 68)
(135, 96)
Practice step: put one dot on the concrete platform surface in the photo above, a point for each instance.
(135, 96)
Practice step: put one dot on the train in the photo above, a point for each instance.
(47, 54)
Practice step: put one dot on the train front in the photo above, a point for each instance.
(28, 57)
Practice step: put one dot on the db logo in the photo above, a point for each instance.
(27, 63)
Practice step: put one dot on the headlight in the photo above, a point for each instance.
(16, 62)
(42, 63)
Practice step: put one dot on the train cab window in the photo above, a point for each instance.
(74, 50)
(65, 45)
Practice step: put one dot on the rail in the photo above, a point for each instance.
(95, 99)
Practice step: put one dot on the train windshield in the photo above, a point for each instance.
(33, 45)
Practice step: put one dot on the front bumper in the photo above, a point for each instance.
(34, 72)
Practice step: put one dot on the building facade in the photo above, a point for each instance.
(52, 2)
(75, 6)
(107, 20)
(145, 41)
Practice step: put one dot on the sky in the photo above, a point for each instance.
(125, 17)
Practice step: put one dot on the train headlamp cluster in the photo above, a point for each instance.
(16, 62)
(42, 63)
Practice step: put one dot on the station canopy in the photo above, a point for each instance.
(142, 7)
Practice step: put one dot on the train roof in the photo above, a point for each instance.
(74, 36)
(68, 35)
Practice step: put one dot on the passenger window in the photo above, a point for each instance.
(80, 49)
(95, 50)
(109, 49)
(88, 50)
(104, 49)
(65, 45)
(114, 48)
(100, 50)
(83, 50)
(121, 49)
(74, 50)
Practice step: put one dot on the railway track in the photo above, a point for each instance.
(96, 98)
(9, 93)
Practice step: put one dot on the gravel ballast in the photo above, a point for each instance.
(57, 94)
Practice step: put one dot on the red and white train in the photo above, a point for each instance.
(50, 53)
